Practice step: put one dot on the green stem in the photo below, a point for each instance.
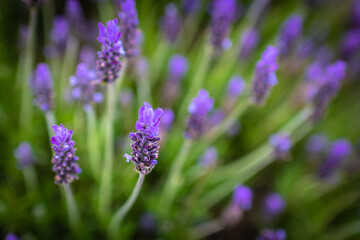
(120, 80)
(343, 232)
(143, 88)
(26, 101)
(50, 121)
(106, 177)
(173, 180)
(73, 213)
(115, 222)
(92, 142)
(30, 179)
(206, 229)
(158, 60)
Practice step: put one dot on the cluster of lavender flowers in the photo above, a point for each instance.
(41, 83)
(145, 148)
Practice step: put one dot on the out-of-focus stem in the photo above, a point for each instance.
(158, 60)
(120, 80)
(30, 179)
(50, 121)
(206, 229)
(343, 232)
(73, 213)
(173, 180)
(115, 222)
(26, 101)
(92, 142)
(106, 176)
(143, 87)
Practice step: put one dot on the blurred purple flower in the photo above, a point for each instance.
(281, 143)
(242, 197)
(209, 158)
(74, 13)
(167, 119)
(145, 148)
(190, 6)
(268, 234)
(250, 40)
(290, 31)
(170, 23)
(351, 43)
(60, 32)
(64, 161)
(88, 56)
(41, 83)
(126, 97)
(11, 236)
(317, 144)
(236, 86)
(24, 155)
(265, 77)
(216, 117)
(274, 205)
(178, 67)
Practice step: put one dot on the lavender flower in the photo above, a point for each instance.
(24, 155)
(242, 197)
(333, 75)
(167, 119)
(265, 77)
(126, 97)
(74, 13)
(281, 143)
(128, 24)
(171, 23)
(60, 33)
(190, 6)
(250, 40)
(64, 161)
(178, 67)
(41, 83)
(338, 152)
(223, 14)
(198, 109)
(11, 236)
(274, 204)
(317, 144)
(145, 149)
(216, 117)
(209, 158)
(88, 56)
(290, 31)
(351, 43)
(236, 86)
(268, 234)
(108, 64)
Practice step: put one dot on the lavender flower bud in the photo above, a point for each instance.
(236, 86)
(198, 109)
(274, 205)
(64, 161)
(41, 83)
(145, 149)
(128, 24)
(209, 158)
(60, 33)
(167, 119)
(88, 56)
(170, 23)
(333, 75)
(281, 143)
(11, 236)
(24, 155)
(178, 67)
(242, 197)
(250, 40)
(108, 64)
(83, 85)
(338, 152)
(268, 234)
(265, 77)
(223, 14)
(290, 31)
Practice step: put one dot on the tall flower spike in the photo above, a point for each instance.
(333, 76)
(198, 109)
(223, 14)
(129, 27)
(167, 119)
(268, 234)
(171, 23)
(250, 39)
(144, 148)
(290, 31)
(265, 77)
(24, 155)
(64, 161)
(41, 83)
(83, 86)
(282, 144)
(108, 64)
(274, 204)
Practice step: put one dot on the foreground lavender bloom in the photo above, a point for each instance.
(60, 33)
(64, 161)
(265, 77)
(198, 109)
(41, 83)
(171, 23)
(223, 14)
(268, 234)
(167, 119)
(178, 67)
(282, 144)
(333, 75)
(274, 204)
(145, 149)
(250, 39)
(290, 31)
(209, 158)
(108, 64)
(129, 23)
(339, 151)
(24, 155)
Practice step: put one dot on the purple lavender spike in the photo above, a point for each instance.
(268, 234)
(236, 86)
(223, 14)
(64, 161)
(129, 27)
(209, 158)
(242, 197)
(11, 236)
(350, 43)
(41, 83)
(167, 119)
(145, 150)
(274, 205)
(74, 12)
(317, 144)
(198, 109)
(265, 77)
(250, 40)
(178, 67)
(24, 155)
(282, 144)
(171, 23)
(290, 31)
(190, 6)
(88, 56)
(60, 33)
(108, 64)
